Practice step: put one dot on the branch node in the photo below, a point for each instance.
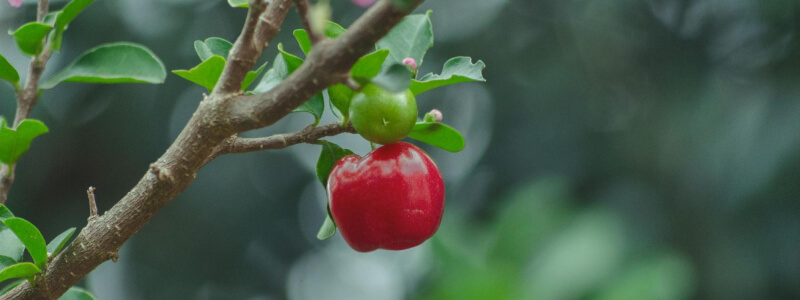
(161, 174)
(114, 256)
(92, 204)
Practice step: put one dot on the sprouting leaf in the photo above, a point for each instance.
(31, 238)
(411, 38)
(456, 70)
(439, 135)
(5, 213)
(212, 46)
(76, 293)
(328, 228)
(206, 74)
(30, 37)
(396, 78)
(332, 30)
(14, 143)
(64, 17)
(8, 72)
(251, 76)
(21, 270)
(57, 243)
(112, 63)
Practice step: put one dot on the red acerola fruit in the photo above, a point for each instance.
(392, 198)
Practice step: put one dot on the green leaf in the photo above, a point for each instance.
(112, 63)
(14, 143)
(212, 46)
(456, 70)
(31, 238)
(328, 228)
(332, 30)
(21, 270)
(396, 78)
(285, 63)
(292, 62)
(251, 76)
(57, 243)
(10, 245)
(206, 74)
(76, 293)
(368, 66)
(411, 38)
(64, 17)
(340, 96)
(8, 72)
(439, 135)
(30, 37)
(328, 156)
(238, 3)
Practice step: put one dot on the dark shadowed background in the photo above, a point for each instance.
(621, 149)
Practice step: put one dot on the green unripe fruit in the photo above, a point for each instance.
(381, 116)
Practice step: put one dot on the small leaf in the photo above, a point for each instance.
(14, 143)
(238, 3)
(206, 74)
(328, 156)
(251, 76)
(314, 106)
(57, 243)
(21, 270)
(439, 135)
(30, 37)
(396, 78)
(292, 62)
(8, 72)
(332, 30)
(368, 66)
(112, 63)
(66, 16)
(10, 245)
(328, 228)
(456, 70)
(31, 238)
(411, 38)
(76, 293)
(340, 96)
(274, 76)
(212, 46)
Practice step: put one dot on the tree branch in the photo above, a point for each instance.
(26, 100)
(309, 135)
(217, 118)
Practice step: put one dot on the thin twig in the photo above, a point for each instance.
(303, 8)
(26, 100)
(92, 204)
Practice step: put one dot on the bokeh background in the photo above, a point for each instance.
(621, 149)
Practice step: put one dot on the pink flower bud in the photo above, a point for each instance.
(411, 63)
(15, 3)
(364, 3)
(436, 114)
